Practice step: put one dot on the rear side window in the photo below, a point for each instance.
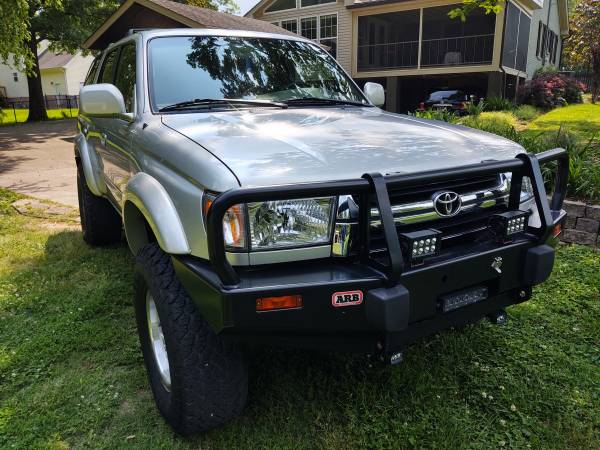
(108, 68)
(125, 76)
(91, 76)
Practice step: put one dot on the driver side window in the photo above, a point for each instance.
(125, 75)
(108, 67)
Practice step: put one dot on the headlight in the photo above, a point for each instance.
(234, 231)
(526, 187)
(290, 223)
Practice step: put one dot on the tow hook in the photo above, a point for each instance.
(498, 317)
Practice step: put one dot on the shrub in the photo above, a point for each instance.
(545, 70)
(474, 109)
(498, 104)
(549, 90)
(526, 112)
(437, 114)
(497, 122)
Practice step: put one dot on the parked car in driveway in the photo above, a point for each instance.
(450, 100)
(268, 200)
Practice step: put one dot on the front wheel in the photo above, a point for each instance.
(198, 380)
(100, 222)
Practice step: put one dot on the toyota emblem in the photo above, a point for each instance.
(447, 203)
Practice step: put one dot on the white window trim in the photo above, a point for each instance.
(318, 5)
(267, 13)
(318, 16)
(291, 20)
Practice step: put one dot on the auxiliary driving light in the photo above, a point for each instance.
(507, 225)
(418, 245)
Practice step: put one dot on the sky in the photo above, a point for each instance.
(246, 5)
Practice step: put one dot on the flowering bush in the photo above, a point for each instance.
(548, 90)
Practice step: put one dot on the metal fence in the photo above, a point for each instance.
(583, 76)
(67, 103)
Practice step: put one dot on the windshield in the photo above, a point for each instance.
(446, 95)
(182, 69)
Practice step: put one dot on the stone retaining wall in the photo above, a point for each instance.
(583, 223)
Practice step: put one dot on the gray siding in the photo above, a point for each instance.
(534, 62)
(344, 37)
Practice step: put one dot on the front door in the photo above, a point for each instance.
(115, 132)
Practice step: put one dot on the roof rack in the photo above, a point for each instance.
(136, 30)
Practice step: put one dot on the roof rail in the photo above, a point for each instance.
(136, 30)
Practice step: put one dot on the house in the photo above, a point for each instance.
(412, 47)
(62, 75)
(136, 14)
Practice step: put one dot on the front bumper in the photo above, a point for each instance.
(381, 322)
(399, 304)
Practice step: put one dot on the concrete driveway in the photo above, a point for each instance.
(37, 159)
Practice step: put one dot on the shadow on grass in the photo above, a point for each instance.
(79, 377)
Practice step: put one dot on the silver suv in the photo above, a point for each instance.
(267, 199)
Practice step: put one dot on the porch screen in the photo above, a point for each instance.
(388, 41)
(448, 42)
(516, 38)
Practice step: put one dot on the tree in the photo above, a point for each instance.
(468, 6)
(228, 6)
(64, 23)
(583, 45)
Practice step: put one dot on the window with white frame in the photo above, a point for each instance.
(281, 5)
(328, 33)
(305, 3)
(322, 29)
(290, 25)
(309, 28)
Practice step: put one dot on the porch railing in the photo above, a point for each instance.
(454, 51)
(457, 51)
(392, 55)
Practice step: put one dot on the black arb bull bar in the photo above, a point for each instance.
(371, 188)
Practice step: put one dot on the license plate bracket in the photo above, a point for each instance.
(459, 299)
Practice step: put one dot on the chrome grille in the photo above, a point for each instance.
(476, 200)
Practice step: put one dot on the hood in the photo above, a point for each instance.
(265, 146)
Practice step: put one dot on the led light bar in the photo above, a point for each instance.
(507, 225)
(418, 245)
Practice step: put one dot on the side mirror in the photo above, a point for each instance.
(103, 100)
(375, 93)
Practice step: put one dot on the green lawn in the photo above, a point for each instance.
(583, 120)
(7, 116)
(71, 374)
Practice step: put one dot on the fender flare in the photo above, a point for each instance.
(153, 202)
(89, 164)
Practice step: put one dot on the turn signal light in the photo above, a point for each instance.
(275, 303)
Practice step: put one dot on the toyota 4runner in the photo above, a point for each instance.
(268, 199)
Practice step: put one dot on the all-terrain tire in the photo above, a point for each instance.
(208, 377)
(100, 222)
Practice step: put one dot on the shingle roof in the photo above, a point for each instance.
(51, 60)
(215, 19)
(131, 14)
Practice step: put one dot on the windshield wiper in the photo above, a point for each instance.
(322, 101)
(219, 102)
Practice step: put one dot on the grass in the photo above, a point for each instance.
(71, 373)
(582, 120)
(7, 116)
